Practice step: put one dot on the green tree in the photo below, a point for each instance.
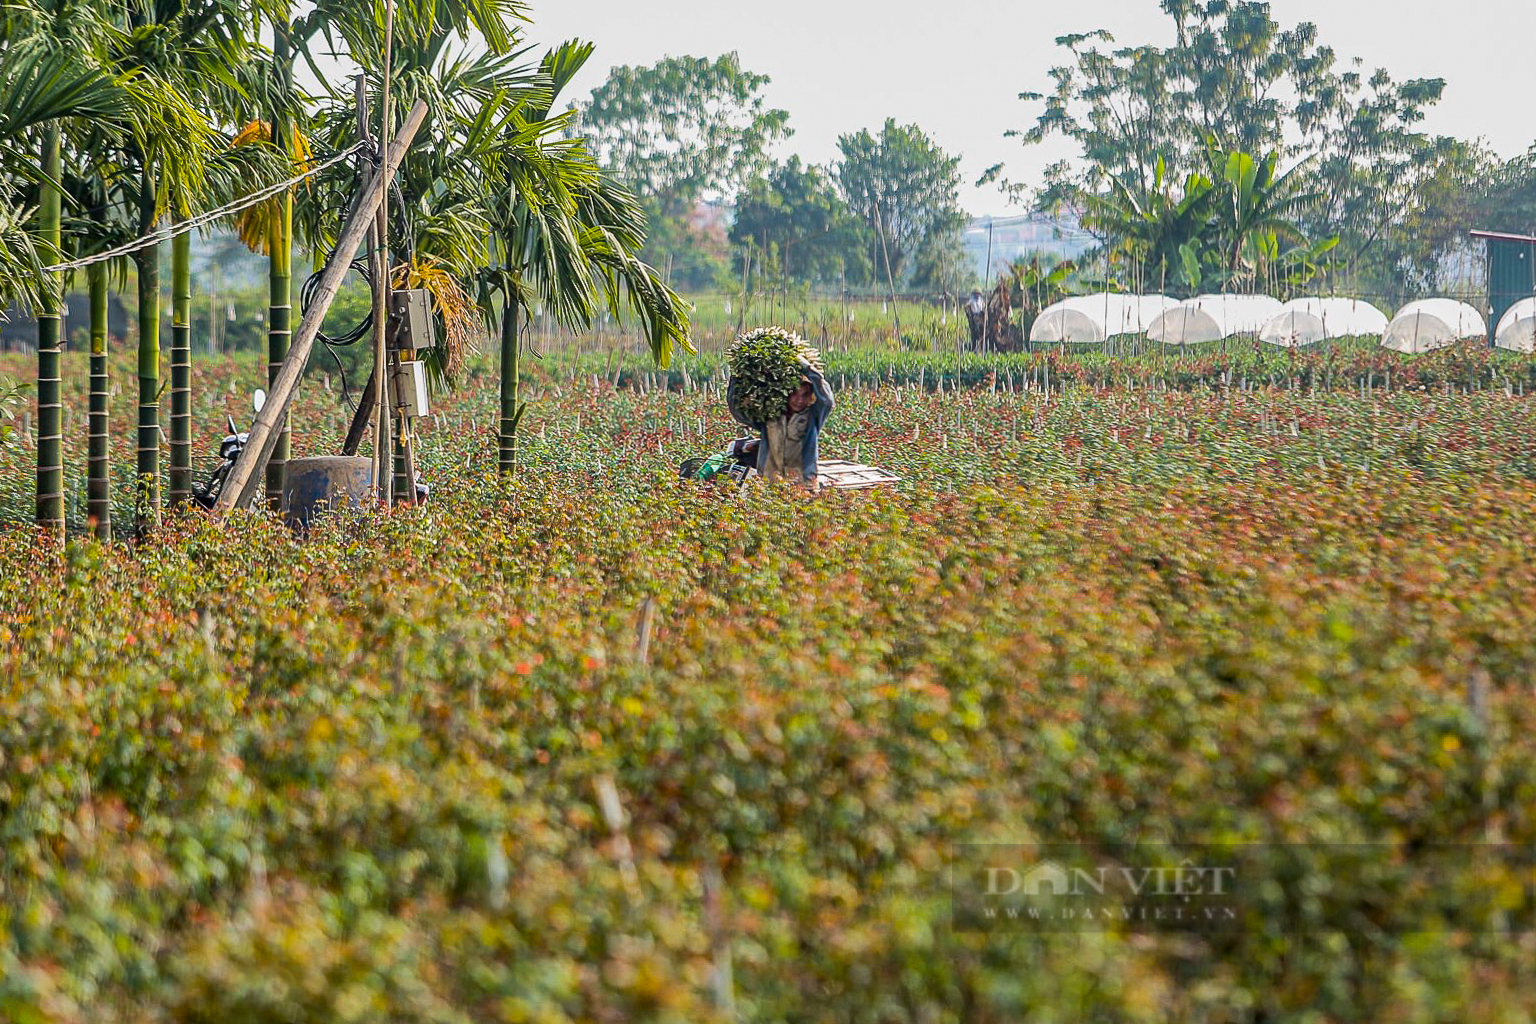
(1120, 108)
(1236, 80)
(676, 134)
(796, 215)
(1450, 196)
(1371, 157)
(52, 78)
(1231, 70)
(183, 53)
(683, 128)
(1508, 199)
(941, 263)
(904, 187)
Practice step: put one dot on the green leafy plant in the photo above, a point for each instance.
(767, 366)
(12, 394)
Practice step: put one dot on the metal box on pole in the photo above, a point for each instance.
(408, 388)
(410, 320)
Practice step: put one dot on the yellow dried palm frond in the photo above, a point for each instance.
(462, 325)
(256, 225)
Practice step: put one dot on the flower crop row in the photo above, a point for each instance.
(420, 766)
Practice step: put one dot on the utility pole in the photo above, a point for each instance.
(889, 276)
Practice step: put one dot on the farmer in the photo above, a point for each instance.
(787, 449)
(976, 313)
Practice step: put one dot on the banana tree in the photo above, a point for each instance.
(1259, 210)
(1300, 265)
(1151, 226)
(1039, 285)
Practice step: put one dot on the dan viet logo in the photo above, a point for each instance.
(1008, 887)
(1348, 888)
(1049, 878)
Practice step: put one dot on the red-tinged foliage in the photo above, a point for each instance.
(357, 776)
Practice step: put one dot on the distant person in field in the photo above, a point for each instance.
(787, 448)
(976, 313)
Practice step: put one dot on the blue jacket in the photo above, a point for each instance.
(818, 412)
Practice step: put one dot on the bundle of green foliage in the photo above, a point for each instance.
(767, 365)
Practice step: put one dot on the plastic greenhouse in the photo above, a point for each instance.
(1212, 318)
(1086, 319)
(1309, 321)
(1432, 323)
(1517, 330)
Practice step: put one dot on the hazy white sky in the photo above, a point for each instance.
(956, 67)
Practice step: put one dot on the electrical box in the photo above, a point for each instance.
(408, 389)
(410, 319)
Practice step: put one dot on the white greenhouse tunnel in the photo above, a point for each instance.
(1088, 319)
(1432, 323)
(1213, 318)
(1309, 321)
(1517, 328)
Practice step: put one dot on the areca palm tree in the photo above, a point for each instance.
(95, 221)
(565, 237)
(185, 52)
(439, 226)
(52, 75)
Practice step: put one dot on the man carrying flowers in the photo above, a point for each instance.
(777, 388)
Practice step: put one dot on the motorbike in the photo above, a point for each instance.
(206, 492)
(736, 462)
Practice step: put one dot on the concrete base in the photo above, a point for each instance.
(311, 486)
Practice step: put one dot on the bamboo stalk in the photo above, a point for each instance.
(50, 439)
(181, 369)
(98, 486)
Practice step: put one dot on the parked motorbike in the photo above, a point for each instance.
(736, 461)
(206, 493)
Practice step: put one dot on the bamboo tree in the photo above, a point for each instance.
(181, 369)
(280, 262)
(511, 410)
(98, 487)
(147, 491)
(50, 441)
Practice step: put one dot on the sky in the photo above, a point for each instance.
(956, 67)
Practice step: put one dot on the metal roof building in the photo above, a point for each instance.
(1511, 271)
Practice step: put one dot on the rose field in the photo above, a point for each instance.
(599, 744)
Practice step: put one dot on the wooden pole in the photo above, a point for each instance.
(986, 282)
(263, 438)
(365, 404)
(889, 277)
(383, 475)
